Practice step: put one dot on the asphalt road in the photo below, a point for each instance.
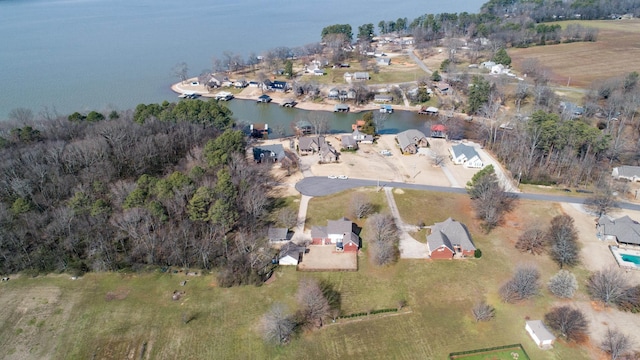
(321, 186)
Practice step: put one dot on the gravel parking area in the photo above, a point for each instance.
(326, 258)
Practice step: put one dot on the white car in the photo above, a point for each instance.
(332, 177)
(343, 177)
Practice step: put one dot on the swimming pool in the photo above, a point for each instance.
(626, 258)
(631, 258)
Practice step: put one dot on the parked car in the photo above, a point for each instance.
(332, 177)
(343, 177)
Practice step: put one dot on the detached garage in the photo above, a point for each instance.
(540, 334)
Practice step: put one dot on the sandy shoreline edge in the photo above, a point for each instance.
(278, 98)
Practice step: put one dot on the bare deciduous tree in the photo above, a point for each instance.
(180, 70)
(483, 311)
(438, 154)
(563, 284)
(570, 323)
(523, 285)
(602, 201)
(314, 306)
(383, 237)
(607, 285)
(532, 241)
(277, 325)
(616, 344)
(360, 205)
(562, 236)
(288, 217)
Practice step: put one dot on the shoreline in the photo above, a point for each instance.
(278, 98)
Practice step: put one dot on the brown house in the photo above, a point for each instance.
(450, 239)
(410, 140)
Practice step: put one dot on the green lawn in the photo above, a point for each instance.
(116, 316)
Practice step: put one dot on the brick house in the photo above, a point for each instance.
(342, 233)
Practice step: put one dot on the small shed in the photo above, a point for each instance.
(264, 99)
(540, 334)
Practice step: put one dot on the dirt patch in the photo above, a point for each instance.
(326, 258)
(119, 294)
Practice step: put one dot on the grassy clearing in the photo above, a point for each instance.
(581, 63)
(335, 206)
(116, 316)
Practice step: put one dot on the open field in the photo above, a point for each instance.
(116, 316)
(617, 49)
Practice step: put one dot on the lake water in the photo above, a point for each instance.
(81, 55)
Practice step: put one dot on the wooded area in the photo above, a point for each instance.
(168, 184)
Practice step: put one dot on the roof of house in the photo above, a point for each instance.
(279, 84)
(351, 238)
(361, 75)
(291, 249)
(628, 171)
(306, 142)
(318, 232)
(326, 149)
(382, 97)
(468, 151)
(625, 229)
(450, 233)
(277, 234)
(273, 151)
(341, 107)
(264, 96)
(348, 141)
(541, 331)
(340, 226)
(409, 137)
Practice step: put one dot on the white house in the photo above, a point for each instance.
(631, 173)
(539, 333)
(466, 156)
(290, 254)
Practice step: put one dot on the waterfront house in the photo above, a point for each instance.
(269, 153)
(382, 98)
(310, 144)
(264, 99)
(466, 156)
(348, 142)
(410, 140)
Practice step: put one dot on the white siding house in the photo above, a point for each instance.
(466, 156)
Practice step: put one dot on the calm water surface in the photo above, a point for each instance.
(81, 55)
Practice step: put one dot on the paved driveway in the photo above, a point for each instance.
(410, 248)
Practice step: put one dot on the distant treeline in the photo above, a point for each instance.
(167, 184)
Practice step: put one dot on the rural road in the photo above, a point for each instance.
(321, 186)
(413, 57)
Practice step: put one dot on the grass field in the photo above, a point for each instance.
(615, 53)
(118, 316)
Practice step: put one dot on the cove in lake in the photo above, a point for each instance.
(82, 55)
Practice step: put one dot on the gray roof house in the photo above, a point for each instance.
(631, 173)
(349, 142)
(383, 98)
(449, 238)
(327, 153)
(466, 155)
(310, 143)
(290, 254)
(359, 136)
(624, 230)
(410, 140)
(276, 234)
(342, 232)
(272, 153)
